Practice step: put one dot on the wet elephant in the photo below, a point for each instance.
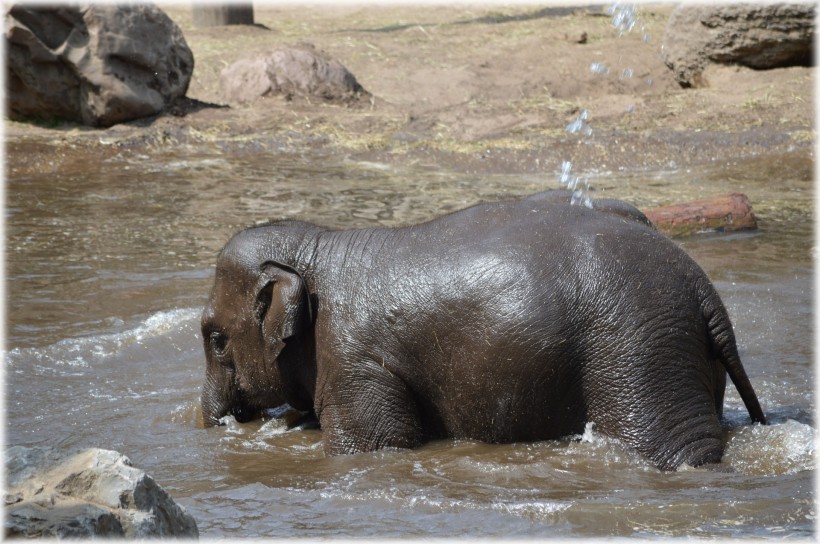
(506, 321)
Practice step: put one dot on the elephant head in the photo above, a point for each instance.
(256, 331)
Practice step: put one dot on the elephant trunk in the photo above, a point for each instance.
(214, 405)
(212, 412)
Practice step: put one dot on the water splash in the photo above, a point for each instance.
(770, 450)
(89, 351)
(579, 186)
(624, 19)
(580, 124)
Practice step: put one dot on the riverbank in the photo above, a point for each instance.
(484, 89)
(112, 237)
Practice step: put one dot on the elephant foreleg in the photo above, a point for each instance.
(367, 409)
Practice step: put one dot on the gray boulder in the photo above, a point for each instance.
(759, 36)
(292, 71)
(93, 64)
(86, 493)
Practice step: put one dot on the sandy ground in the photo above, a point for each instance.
(484, 88)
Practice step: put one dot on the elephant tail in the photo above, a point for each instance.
(725, 346)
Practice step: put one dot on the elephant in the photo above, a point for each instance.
(510, 321)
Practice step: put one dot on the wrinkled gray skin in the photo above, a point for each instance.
(508, 321)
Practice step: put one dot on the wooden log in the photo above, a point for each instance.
(206, 14)
(724, 213)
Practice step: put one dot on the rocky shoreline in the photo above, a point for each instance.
(471, 89)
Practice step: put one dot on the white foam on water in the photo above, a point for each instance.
(196, 164)
(231, 426)
(272, 428)
(84, 352)
(595, 449)
(772, 450)
(263, 438)
(420, 500)
(589, 435)
(533, 509)
(755, 450)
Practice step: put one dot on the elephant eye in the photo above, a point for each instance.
(219, 342)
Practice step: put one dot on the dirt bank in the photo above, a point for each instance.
(484, 88)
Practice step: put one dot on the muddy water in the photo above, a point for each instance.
(109, 262)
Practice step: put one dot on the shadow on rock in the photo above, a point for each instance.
(87, 493)
(97, 65)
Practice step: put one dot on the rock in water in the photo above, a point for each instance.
(292, 71)
(759, 36)
(93, 64)
(87, 493)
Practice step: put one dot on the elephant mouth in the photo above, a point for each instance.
(244, 414)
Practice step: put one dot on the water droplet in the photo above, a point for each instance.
(566, 168)
(599, 68)
(624, 17)
(580, 197)
(579, 124)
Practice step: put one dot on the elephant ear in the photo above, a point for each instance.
(283, 304)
